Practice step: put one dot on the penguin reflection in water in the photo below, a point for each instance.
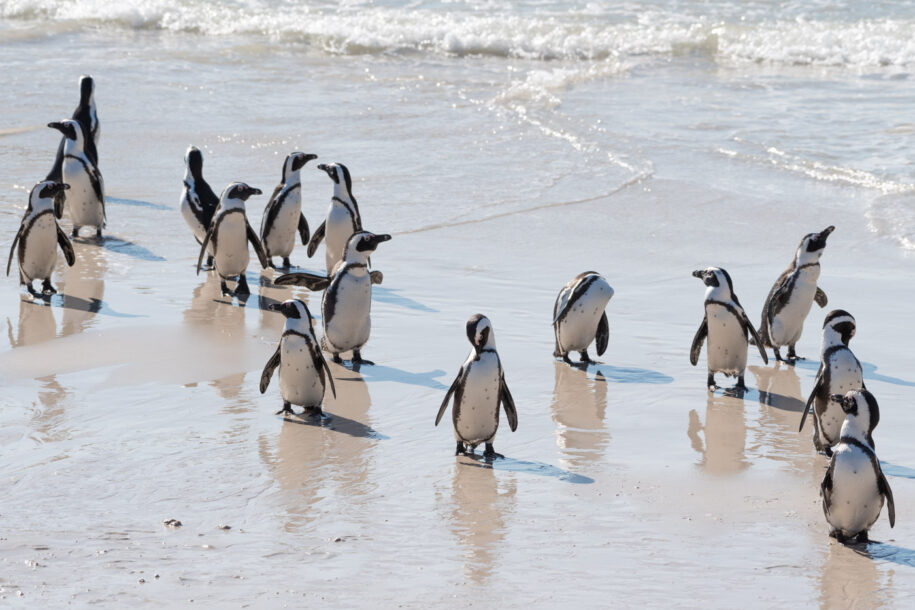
(38, 237)
(478, 390)
(726, 326)
(230, 233)
(855, 488)
(579, 317)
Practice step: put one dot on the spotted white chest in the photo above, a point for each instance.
(232, 245)
(347, 309)
(727, 341)
(788, 324)
(83, 204)
(578, 328)
(300, 383)
(40, 248)
(856, 500)
(844, 375)
(476, 414)
(338, 229)
(279, 238)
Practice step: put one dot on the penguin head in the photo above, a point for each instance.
(840, 326)
(861, 408)
(193, 159)
(361, 245)
(340, 175)
(43, 194)
(812, 246)
(715, 278)
(294, 162)
(72, 131)
(293, 309)
(238, 192)
(86, 89)
(479, 333)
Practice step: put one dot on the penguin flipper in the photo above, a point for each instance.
(508, 403)
(269, 368)
(820, 297)
(696, 347)
(316, 238)
(754, 336)
(203, 246)
(603, 334)
(826, 487)
(377, 277)
(258, 246)
(884, 487)
(303, 229)
(817, 388)
(312, 281)
(454, 386)
(9, 261)
(64, 242)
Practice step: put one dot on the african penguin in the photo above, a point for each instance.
(840, 372)
(283, 214)
(478, 390)
(304, 374)
(342, 220)
(85, 198)
(198, 201)
(347, 305)
(87, 116)
(793, 294)
(38, 237)
(579, 317)
(230, 234)
(726, 325)
(855, 487)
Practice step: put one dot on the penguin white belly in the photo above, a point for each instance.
(856, 499)
(578, 328)
(476, 418)
(232, 246)
(83, 204)
(300, 383)
(788, 324)
(281, 239)
(727, 341)
(40, 248)
(844, 375)
(197, 228)
(338, 228)
(349, 324)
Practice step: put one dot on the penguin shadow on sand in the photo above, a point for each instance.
(510, 464)
(578, 407)
(621, 374)
(36, 323)
(869, 370)
(781, 407)
(721, 441)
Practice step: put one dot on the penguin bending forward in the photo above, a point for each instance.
(87, 116)
(478, 390)
(283, 214)
(793, 294)
(840, 372)
(579, 317)
(198, 201)
(347, 304)
(230, 233)
(726, 326)
(304, 374)
(342, 220)
(38, 237)
(855, 488)
(85, 198)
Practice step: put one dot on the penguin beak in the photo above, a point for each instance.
(301, 160)
(329, 170)
(825, 232)
(819, 242)
(839, 398)
(699, 274)
(377, 239)
(64, 128)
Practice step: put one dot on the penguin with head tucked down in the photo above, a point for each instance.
(579, 317)
(198, 201)
(85, 199)
(283, 214)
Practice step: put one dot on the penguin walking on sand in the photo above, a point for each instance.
(347, 304)
(342, 220)
(792, 296)
(478, 390)
(855, 488)
(283, 214)
(726, 326)
(87, 116)
(38, 237)
(198, 201)
(230, 233)
(304, 373)
(579, 317)
(840, 372)
(86, 196)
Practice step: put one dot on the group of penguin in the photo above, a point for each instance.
(844, 414)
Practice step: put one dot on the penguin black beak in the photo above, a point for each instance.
(819, 242)
(699, 274)
(65, 128)
(247, 192)
(329, 170)
(825, 232)
(839, 398)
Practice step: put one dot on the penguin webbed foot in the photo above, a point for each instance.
(286, 410)
(286, 263)
(778, 355)
(98, 234)
(359, 360)
(585, 358)
(47, 288)
(33, 292)
(74, 232)
(242, 286)
(225, 289)
(460, 450)
(490, 453)
(710, 382)
(336, 358)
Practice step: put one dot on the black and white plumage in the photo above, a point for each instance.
(230, 233)
(840, 372)
(855, 488)
(198, 201)
(793, 295)
(87, 116)
(579, 317)
(38, 238)
(347, 304)
(726, 327)
(304, 374)
(85, 199)
(342, 220)
(283, 216)
(478, 390)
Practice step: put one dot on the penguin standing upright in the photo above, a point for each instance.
(855, 488)
(342, 220)
(86, 196)
(579, 317)
(478, 390)
(840, 372)
(87, 116)
(198, 201)
(792, 296)
(38, 237)
(726, 325)
(304, 374)
(230, 233)
(283, 214)
(347, 305)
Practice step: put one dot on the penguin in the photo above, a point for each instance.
(230, 234)
(198, 201)
(304, 373)
(793, 294)
(726, 325)
(347, 304)
(85, 199)
(478, 390)
(283, 214)
(579, 317)
(342, 220)
(38, 237)
(87, 116)
(855, 488)
(840, 372)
